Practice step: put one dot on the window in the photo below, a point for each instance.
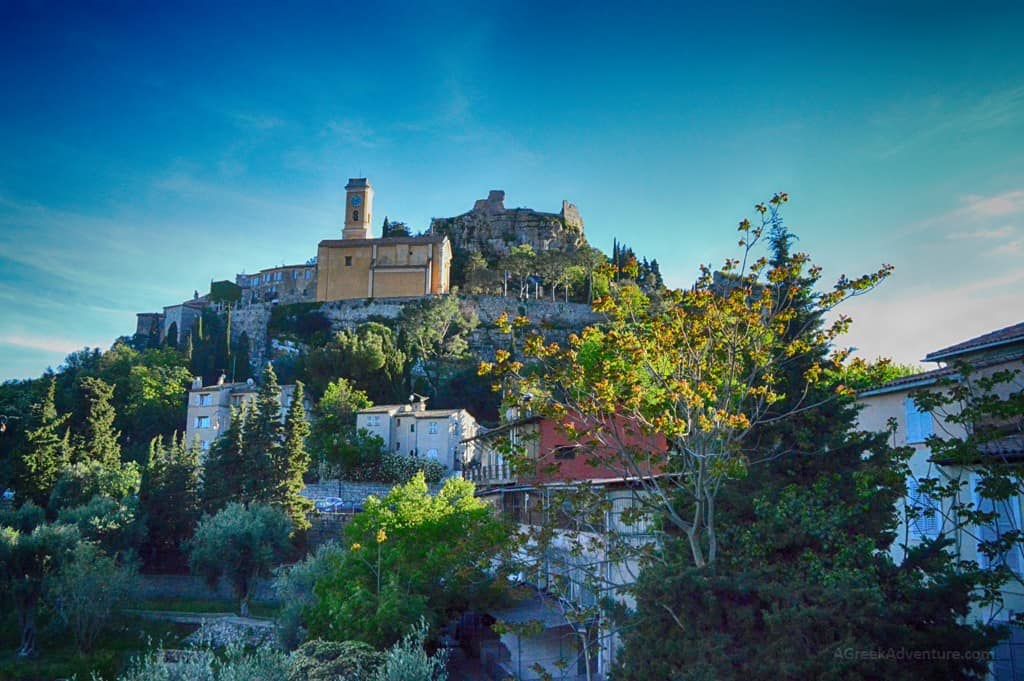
(919, 423)
(205, 399)
(432, 428)
(565, 453)
(278, 276)
(373, 420)
(202, 422)
(309, 273)
(204, 445)
(923, 519)
(412, 427)
(1006, 520)
(355, 216)
(348, 261)
(295, 274)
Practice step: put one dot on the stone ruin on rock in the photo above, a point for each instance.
(493, 230)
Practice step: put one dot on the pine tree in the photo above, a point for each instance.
(224, 468)
(293, 462)
(169, 499)
(100, 441)
(262, 434)
(47, 449)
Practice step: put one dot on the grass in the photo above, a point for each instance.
(59, 659)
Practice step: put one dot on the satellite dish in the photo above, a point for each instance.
(249, 382)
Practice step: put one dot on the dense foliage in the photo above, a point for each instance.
(411, 555)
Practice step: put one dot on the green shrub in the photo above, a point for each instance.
(334, 661)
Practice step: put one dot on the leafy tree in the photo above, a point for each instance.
(26, 560)
(369, 357)
(590, 258)
(79, 483)
(411, 555)
(333, 431)
(553, 267)
(169, 498)
(701, 370)
(480, 277)
(291, 463)
(88, 590)
(974, 482)
(521, 263)
(113, 524)
(240, 544)
(435, 333)
(99, 443)
(47, 450)
(294, 588)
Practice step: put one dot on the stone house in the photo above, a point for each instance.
(894, 402)
(284, 284)
(413, 430)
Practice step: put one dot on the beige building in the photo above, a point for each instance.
(999, 350)
(413, 430)
(209, 408)
(360, 266)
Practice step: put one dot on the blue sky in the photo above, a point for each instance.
(147, 148)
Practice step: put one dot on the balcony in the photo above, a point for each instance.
(497, 474)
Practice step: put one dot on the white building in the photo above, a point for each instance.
(413, 430)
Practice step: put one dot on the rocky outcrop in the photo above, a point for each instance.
(492, 230)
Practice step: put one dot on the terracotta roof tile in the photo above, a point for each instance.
(1004, 336)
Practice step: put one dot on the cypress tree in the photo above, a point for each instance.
(293, 462)
(171, 340)
(188, 348)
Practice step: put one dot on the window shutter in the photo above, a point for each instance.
(1007, 521)
(925, 523)
(925, 424)
(913, 423)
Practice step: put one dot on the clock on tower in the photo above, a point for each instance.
(358, 207)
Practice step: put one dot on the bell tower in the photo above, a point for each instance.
(358, 208)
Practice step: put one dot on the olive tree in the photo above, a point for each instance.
(241, 544)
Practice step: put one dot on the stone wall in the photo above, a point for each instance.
(190, 587)
(554, 320)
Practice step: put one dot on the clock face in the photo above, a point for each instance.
(356, 201)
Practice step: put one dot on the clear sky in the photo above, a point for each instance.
(147, 148)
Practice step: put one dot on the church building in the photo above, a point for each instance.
(360, 266)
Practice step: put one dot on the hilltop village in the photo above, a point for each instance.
(492, 451)
(396, 265)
